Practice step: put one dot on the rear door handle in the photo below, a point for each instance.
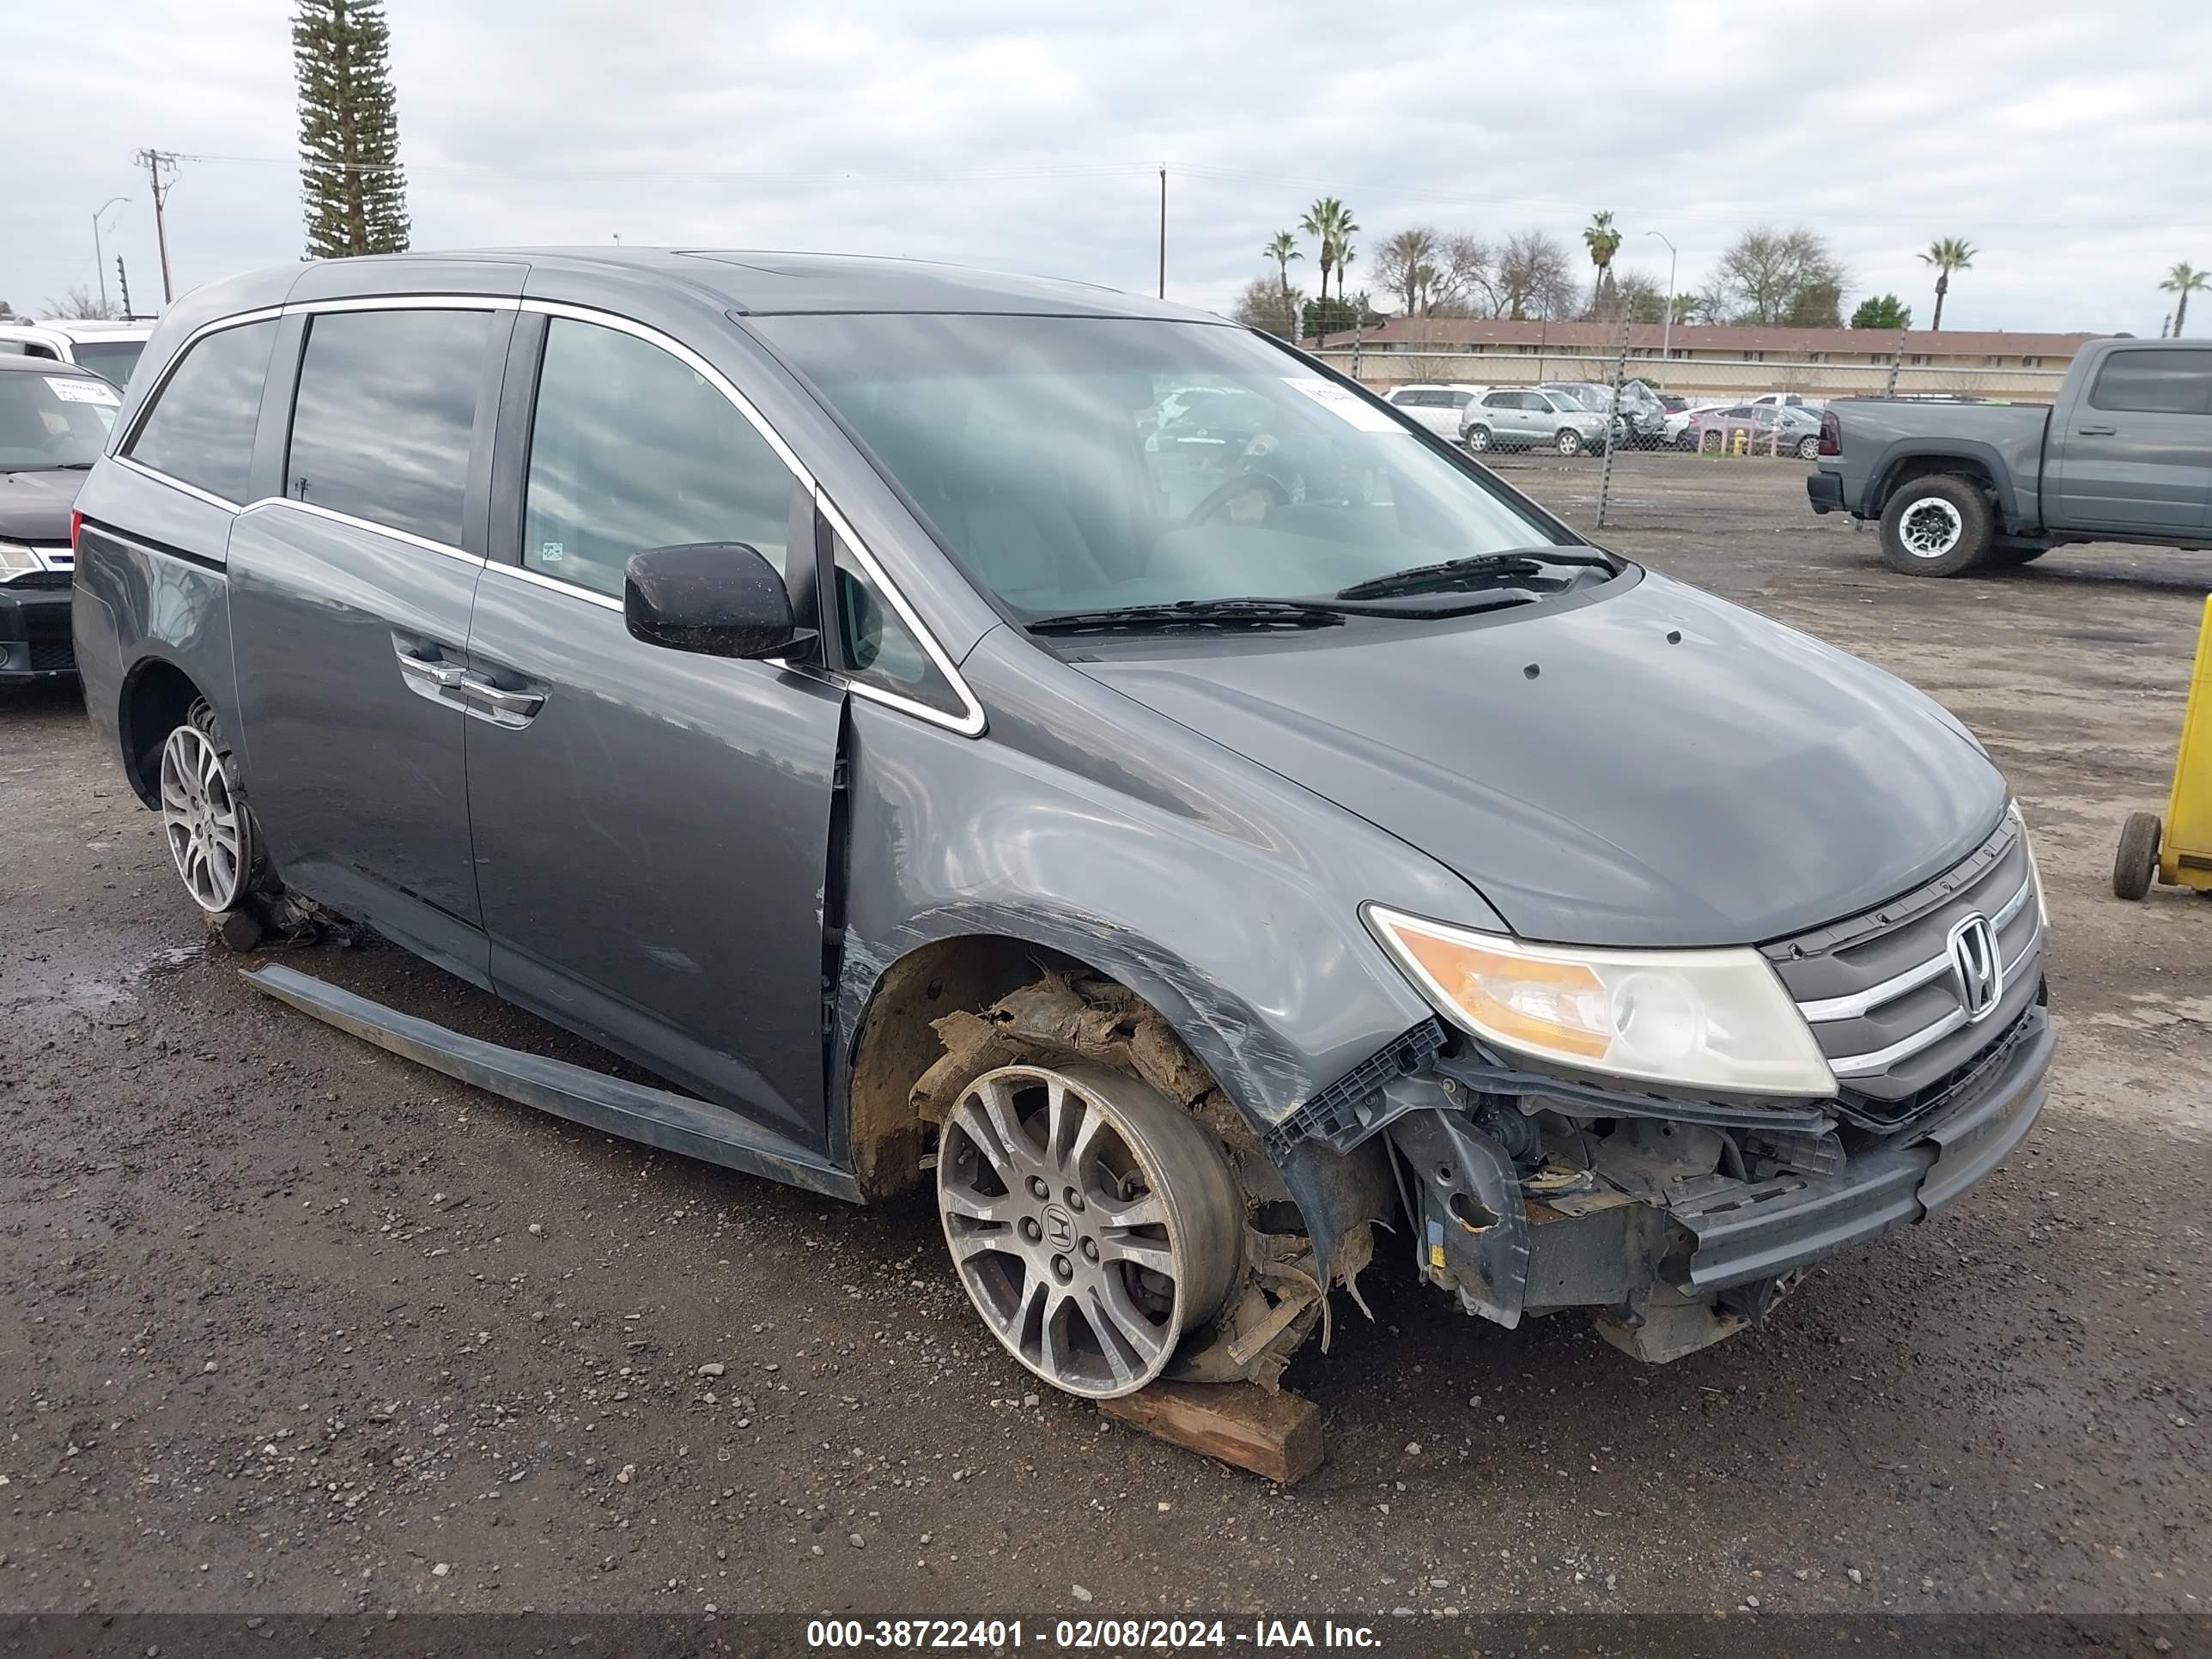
(2094, 431)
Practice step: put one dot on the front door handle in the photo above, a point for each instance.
(436, 675)
(498, 704)
(2094, 431)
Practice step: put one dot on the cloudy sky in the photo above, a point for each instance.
(2071, 143)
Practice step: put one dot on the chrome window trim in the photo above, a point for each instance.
(554, 584)
(1871, 1065)
(1828, 1010)
(425, 543)
(191, 489)
(405, 302)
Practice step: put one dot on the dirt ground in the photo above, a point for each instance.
(292, 1325)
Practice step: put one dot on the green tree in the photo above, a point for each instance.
(2184, 279)
(1603, 241)
(1263, 305)
(350, 184)
(1882, 311)
(1947, 254)
(1282, 249)
(1770, 278)
(1330, 223)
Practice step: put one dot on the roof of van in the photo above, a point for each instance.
(768, 283)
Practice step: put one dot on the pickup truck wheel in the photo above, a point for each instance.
(1937, 526)
(2137, 859)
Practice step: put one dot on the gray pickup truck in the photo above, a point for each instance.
(2124, 455)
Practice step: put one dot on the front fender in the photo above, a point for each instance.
(1085, 823)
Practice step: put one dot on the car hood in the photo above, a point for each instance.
(1649, 765)
(35, 507)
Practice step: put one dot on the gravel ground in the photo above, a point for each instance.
(298, 1325)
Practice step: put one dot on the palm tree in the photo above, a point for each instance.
(1603, 241)
(1947, 254)
(1282, 250)
(2184, 279)
(1406, 264)
(1329, 222)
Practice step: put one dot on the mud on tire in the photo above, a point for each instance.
(1936, 526)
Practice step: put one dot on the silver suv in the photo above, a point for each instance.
(1530, 418)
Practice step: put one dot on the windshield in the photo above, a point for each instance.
(1043, 451)
(112, 360)
(53, 419)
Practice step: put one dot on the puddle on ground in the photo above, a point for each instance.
(93, 995)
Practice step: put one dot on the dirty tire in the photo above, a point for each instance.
(205, 822)
(1938, 525)
(1478, 439)
(2136, 862)
(1092, 1221)
(1569, 442)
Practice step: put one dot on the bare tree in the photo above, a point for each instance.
(1464, 282)
(80, 303)
(1406, 266)
(1770, 277)
(1534, 277)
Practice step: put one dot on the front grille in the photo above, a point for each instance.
(52, 656)
(1880, 993)
(45, 579)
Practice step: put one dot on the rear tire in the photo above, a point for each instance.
(1936, 526)
(2136, 862)
(1808, 449)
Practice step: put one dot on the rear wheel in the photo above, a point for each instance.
(1093, 1221)
(2136, 862)
(203, 815)
(1569, 442)
(1478, 439)
(1936, 526)
(1808, 449)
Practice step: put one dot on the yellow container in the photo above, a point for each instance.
(2179, 851)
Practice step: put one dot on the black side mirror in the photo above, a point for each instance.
(719, 599)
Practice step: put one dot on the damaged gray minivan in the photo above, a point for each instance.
(1068, 753)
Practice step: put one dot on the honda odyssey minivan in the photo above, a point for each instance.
(1211, 870)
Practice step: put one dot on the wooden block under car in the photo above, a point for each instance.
(1274, 1435)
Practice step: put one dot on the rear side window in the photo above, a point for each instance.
(386, 411)
(200, 428)
(2154, 383)
(631, 447)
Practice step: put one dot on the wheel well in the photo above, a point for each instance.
(1913, 467)
(156, 699)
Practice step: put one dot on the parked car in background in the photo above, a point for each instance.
(1680, 430)
(1789, 400)
(791, 674)
(54, 423)
(1595, 400)
(1530, 417)
(1773, 428)
(109, 349)
(1442, 408)
(2124, 455)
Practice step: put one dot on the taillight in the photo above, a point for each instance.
(1832, 432)
(76, 523)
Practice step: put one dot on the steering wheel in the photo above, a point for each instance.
(1230, 488)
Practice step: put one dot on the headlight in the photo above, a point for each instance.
(2034, 870)
(16, 559)
(1701, 1019)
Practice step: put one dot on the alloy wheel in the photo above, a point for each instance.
(205, 824)
(1092, 1221)
(1930, 528)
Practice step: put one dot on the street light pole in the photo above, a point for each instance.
(100, 260)
(1666, 317)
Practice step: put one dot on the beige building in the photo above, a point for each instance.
(1700, 358)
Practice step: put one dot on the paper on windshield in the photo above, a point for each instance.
(1342, 403)
(72, 391)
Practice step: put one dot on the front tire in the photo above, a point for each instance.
(1093, 1222)
(1936, 526)
(1478, 440)
(1569, 442)
(204, 818)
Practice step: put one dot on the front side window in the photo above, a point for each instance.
(878, 648)
(630, 448)
(1025, 443)
(2154, 383)
(200, 428)
(49, 421)
(385, 415)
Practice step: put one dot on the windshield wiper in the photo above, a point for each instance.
(72, 466)
(1195, 613)
(1442, 578)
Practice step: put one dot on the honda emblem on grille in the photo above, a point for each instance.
(1976, 968)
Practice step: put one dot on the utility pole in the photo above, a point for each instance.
(123, 278)
(1667, 317)
(157, 160)
(1163, 232)
(100, 260)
